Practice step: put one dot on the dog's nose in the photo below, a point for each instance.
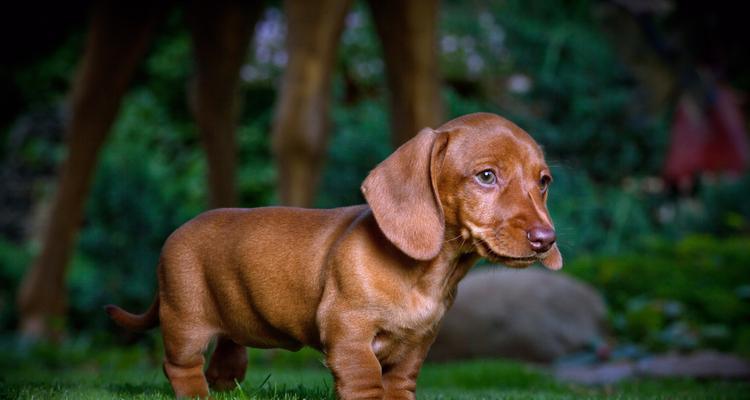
(541, 239)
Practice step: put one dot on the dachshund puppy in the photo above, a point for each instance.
(367, 285)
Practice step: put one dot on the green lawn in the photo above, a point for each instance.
(134, 373)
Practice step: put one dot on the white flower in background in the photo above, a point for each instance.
(448, 44)
(477, 54)
(354, 28)
(475, 63)
(268, 48)
(519, 84)
(495, 33)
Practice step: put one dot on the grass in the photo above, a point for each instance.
(78, 372)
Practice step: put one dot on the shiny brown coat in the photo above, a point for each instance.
(367, 285)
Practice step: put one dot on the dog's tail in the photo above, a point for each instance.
(135, 322)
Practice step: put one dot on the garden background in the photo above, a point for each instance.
(671, 260)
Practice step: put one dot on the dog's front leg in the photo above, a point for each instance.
(356, 370)
(400, 379)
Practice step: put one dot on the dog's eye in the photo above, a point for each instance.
(486, 177)
(544, 183)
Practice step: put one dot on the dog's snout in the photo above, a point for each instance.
(541, 239)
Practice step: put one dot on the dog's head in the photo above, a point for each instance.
(479, 175)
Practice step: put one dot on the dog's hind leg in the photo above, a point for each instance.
(183, 360)
(228, 365)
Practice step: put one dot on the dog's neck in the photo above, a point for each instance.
(440, 276)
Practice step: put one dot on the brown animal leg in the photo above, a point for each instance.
(348, 349)
(118, 37)
(221, 33)
(228, 365)
(400, 380)
(356, 371)
(183, 359)
(301, 125)
(408, 31)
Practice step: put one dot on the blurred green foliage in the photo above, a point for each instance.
(677, 296)
(581, 103)
(544, 65)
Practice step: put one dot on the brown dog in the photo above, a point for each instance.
(367, 285)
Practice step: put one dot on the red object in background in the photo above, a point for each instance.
(710, 139)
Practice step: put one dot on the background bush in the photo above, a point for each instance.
(677, 296)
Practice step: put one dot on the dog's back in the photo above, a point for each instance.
(227, 267)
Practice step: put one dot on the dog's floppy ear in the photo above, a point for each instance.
(402, 194)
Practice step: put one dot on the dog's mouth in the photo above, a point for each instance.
(486, 251)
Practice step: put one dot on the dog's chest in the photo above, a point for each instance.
(407, 326)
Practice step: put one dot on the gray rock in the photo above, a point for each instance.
(531, 314)
(702, 364)
(705, 364)
(600, 374)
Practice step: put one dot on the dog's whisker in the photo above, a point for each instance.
(455, 238)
